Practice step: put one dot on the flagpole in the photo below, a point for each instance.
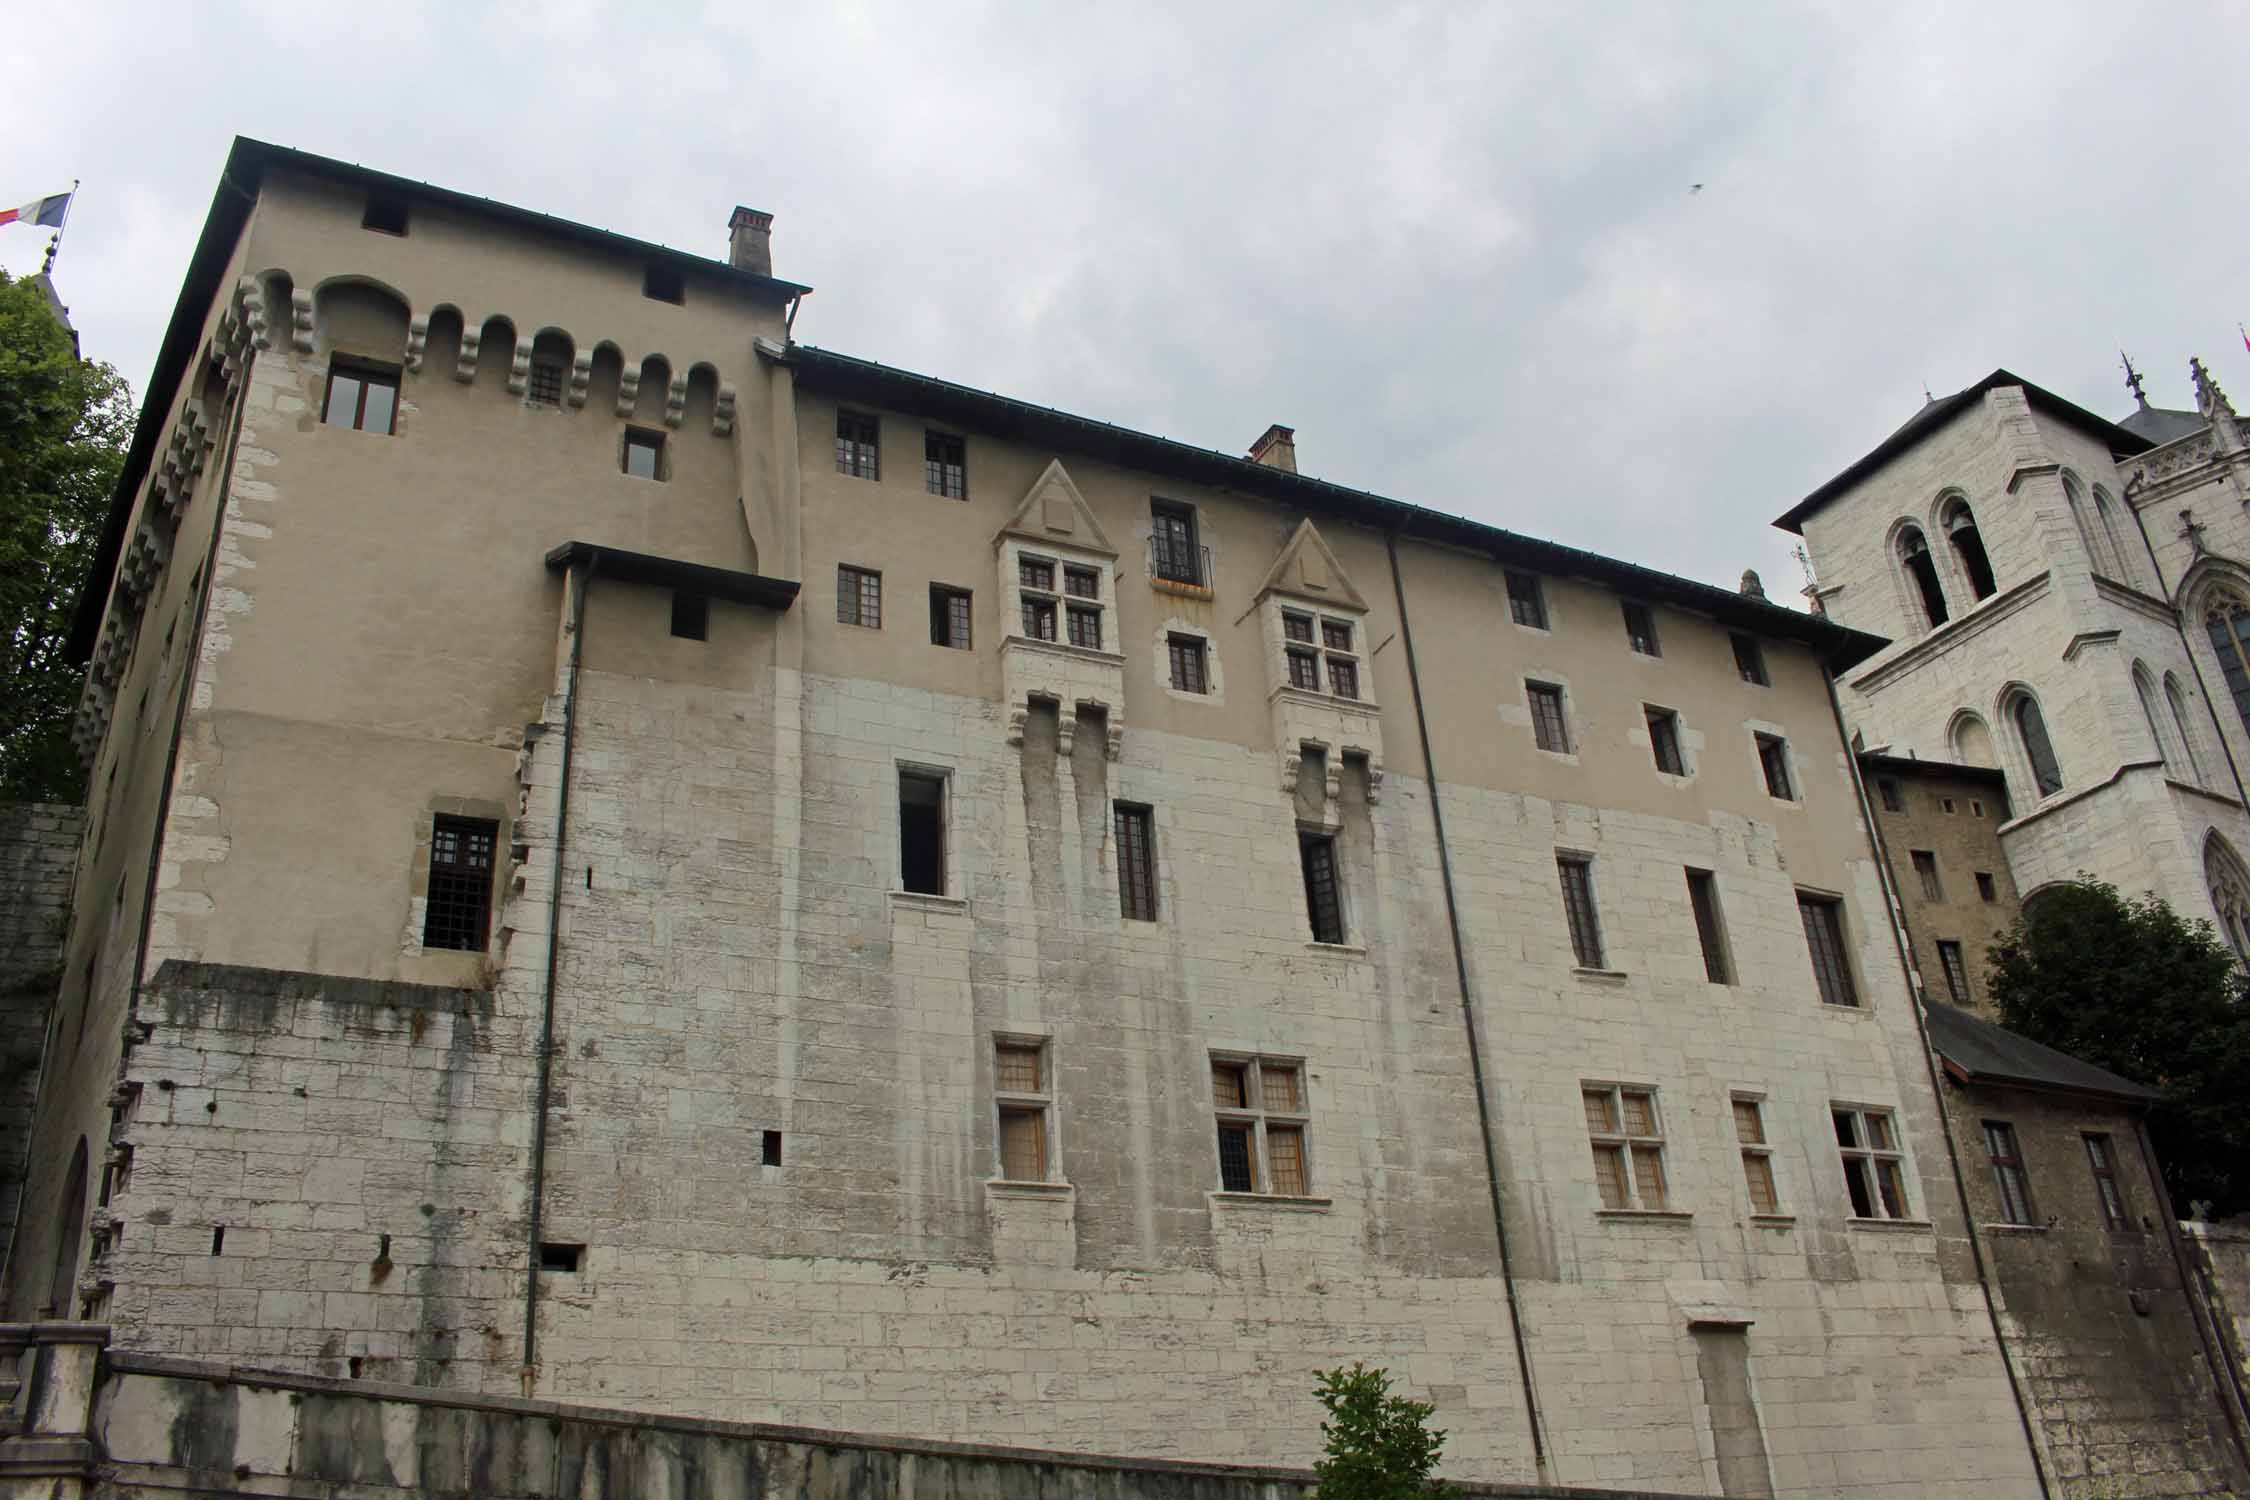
(47, 267)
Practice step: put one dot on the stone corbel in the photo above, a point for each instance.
(675, 401)
(301, 322)
(1115, 749)
(628, 391)
(1292, 757)
(581, 376)
(519, 369)
(417, 336)
(1066, 732)
(1374, 781)
(1332, 768)
(465, 368)
(253, 310)
(1016, 717)
(722, 414)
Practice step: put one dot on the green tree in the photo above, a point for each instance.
(64, 426)
(2130, 985)
(1380, 1446)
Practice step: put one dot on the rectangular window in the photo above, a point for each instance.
(361, 397)
(1703, 897)
(856, 450)
(1664, 740)
(663, 284)
(1823, 917)
(1263, 1113)
(1324, 901)
(1894, 795)
(1296, 628)
(1082, 583)
(921, 832)
(1757, 1155)
(1925, 872)
(644, 454)
(1304, 670)
(1956, 973)
(1343, 677)
(1976, 808)
(1527, 602)
(945, 465)
(1577, 875)
(1548, 726)
(2007, 1173)
(1750, 660)
(1946, 803)
(1343, 663)
(1038, 618)
(1020, 1092)
(1628, 1147)
(691, 616)
(1085, 626)
(1773, 756)
(384, 215)
(2099, 1157)
(1173, 550)
(1874, 1168)
(1035, 574)
(546, 387)
(1136, 862)
(1987, 890)
(1190, 663)
(458, 908)
(859, 597)
(949, 616)
(1640, 629)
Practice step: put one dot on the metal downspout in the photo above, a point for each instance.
(1897, 912)
(1468, 1014)
(582, 583)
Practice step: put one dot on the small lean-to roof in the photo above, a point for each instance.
(246, 165)
(1976, 1051)
(1935, 414)
(1006, 417)
(616, 563)
(1908, 765)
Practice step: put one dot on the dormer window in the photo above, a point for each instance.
(1304, 660)
(1305, 651)
(1343, 662)
(1082, 610)
(1036, 577)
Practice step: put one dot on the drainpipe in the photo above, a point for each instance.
(581, 582)
(2179, 626)
(2225, 1379)
(1897, 911)
(1468, 1014)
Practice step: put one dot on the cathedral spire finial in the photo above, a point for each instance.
(2209, 399)
(2133, 379)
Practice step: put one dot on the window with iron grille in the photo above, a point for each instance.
(1956, 973)
(1576, 872)
(364, 397)
(1988, 890)
(856, 450)
(1136, 862)
(1173, 550)
(1190, 663)
(2104, 1164)
(1757, 1155)
(949, 616)
(1874, 1167)
(1324, 898)
(1628, 1142)
(458, 910)
(691, 616)
(1925, 872)
(1640, 629)
(1894, 795)
(859, 596)
(1823, 917)
(945, 465)
(1021, 1094)
(1703, 899)
(1750, 660)
(1527, 600)
(1664, 740)
(2007, 1173)
(1773, 759)
(1263, 1113)
(546, 388)
(644, 454)
(1549, 729)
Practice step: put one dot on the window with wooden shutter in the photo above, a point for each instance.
(1757, 1154)
(1023, 1099)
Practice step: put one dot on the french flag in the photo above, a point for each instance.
(45, 212)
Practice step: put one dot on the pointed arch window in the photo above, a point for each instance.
(2177, 702)
(2228, 624)
(2229, 885)
(2121, 561)
(2145, 690)
(1914, 552)
(1968, 546)
(2031, 728)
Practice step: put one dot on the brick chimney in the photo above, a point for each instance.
(1277, 449)
(750, 241)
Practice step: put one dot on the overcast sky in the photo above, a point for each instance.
(1454, 247)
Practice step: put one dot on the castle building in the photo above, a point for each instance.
(639, 861)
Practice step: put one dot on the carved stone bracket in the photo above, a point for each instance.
(722, 414)
(253, 309)
(465, 368)
(581, 376)
(417, 336)
(301, 321)
(519, 369)
(675, 401)
(628, 391)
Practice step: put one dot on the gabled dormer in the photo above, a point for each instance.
(1314, 625)
(1058, 597)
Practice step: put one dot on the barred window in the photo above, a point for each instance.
(945, 465)
(1823, 918)
(1527, 601)
(1136, 862)
(1020, 1093)
(1577, 874)
(546, 386)
(1549, 729)
(1874, 1168)
(1750, 660)
(1757, 1155)
(856, 450)
(859, 597)
(1190, 661)
(1703, 897)
(458, 909)
(1263, 1113)
(1628, 1144)
(949, 616)
(1773, 759)
(1664, 740)
(2007, 1173)
(1640, 629)
(2099, 1157)
(1324, 901)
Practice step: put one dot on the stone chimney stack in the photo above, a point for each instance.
(750, 241)
(1277, 449)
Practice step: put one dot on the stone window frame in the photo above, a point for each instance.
(1776, 763)
(1262, 1117)
(1956, 971)
(1667, 730)
(1532, 688)
(1757, 1153)
(1312, 838)
(1581, 907)
(1037, 1103)
(1627, 1147)
(1214, 678)
(1955, 520)
(949, 880)
(1316, 648)
(504, 856)
(1709, 913)
(1885, 1166)
(2038, 765)
(2011, 1180)
(1923, 586)
(1531, 599)
(1836, 982)
(1057, 597)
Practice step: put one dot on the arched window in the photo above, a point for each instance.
(2093, 532)
(1968, 546)
(2031, 728)
(1915, 554)
(2229, 885)
(2229, 626)
(2144, 688)
(2177, 701)
(2120, 556)
(1972, 742)
(70, 1234)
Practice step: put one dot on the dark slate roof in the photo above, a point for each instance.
(1024, 421)
(1976, 1051)
(1910, 765)
(1935, 414)
(2161, 424)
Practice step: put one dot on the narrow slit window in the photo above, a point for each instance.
(458, 910)
(1324, 902)
(1550, 730)
(859, 597)
(1664, 740)
(1926, 874)
(921, 832)
(769, 1148)
(949, 616)
(2008, 1178)
(2104, 1164)
(945, 465)
(691, 616)
(1956, 972)
(1527, 601)
(1823, 918)
(1703, 899)
(1136, 862)
(1576, 873)
(1757, 1155)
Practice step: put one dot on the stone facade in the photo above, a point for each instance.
(38, 852)
(1958, 900)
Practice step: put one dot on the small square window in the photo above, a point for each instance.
(691, 616)
(1304, 670)
(945, 465)
(1191, 663)
(1947, 804)
(859, 597)
(1082, 583)
(546, 388)
(663, 284)
(1640, 629)
(561, 1259)
(1527, 601)
(644, 453)
(1039, 618)
(386, 214)
(363, 397)
(949, 616)
(1750, 660)
(1035, 573)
